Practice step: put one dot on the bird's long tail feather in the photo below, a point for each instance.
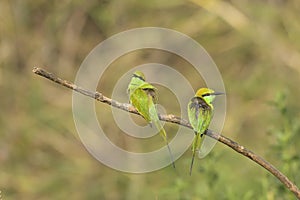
(195, 146)
(162, 132)
(164, 136)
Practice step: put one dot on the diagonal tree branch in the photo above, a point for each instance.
(177, 120)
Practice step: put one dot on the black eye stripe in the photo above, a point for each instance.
(139, 77)
(206, 94)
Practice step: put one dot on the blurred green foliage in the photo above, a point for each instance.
(255, 44)
(284, 150)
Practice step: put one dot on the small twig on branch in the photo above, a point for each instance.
(177, 120)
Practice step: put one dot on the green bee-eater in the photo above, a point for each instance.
(143, 97)
(200, 112)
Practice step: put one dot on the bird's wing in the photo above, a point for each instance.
(143, 99)
(140, 100)
(199, 113)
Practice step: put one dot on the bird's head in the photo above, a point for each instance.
(207, 95)
(140, 75)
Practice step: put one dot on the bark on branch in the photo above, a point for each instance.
(177, 120)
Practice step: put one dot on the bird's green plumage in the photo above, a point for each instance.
(143, 97)
(200, 112)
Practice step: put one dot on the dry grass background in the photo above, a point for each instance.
(255, 44)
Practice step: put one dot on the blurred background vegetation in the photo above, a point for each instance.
(255, 44)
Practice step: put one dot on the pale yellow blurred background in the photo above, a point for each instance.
(255, 44)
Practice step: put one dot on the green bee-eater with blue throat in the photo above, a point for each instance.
(200, 112)
(143, 97)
